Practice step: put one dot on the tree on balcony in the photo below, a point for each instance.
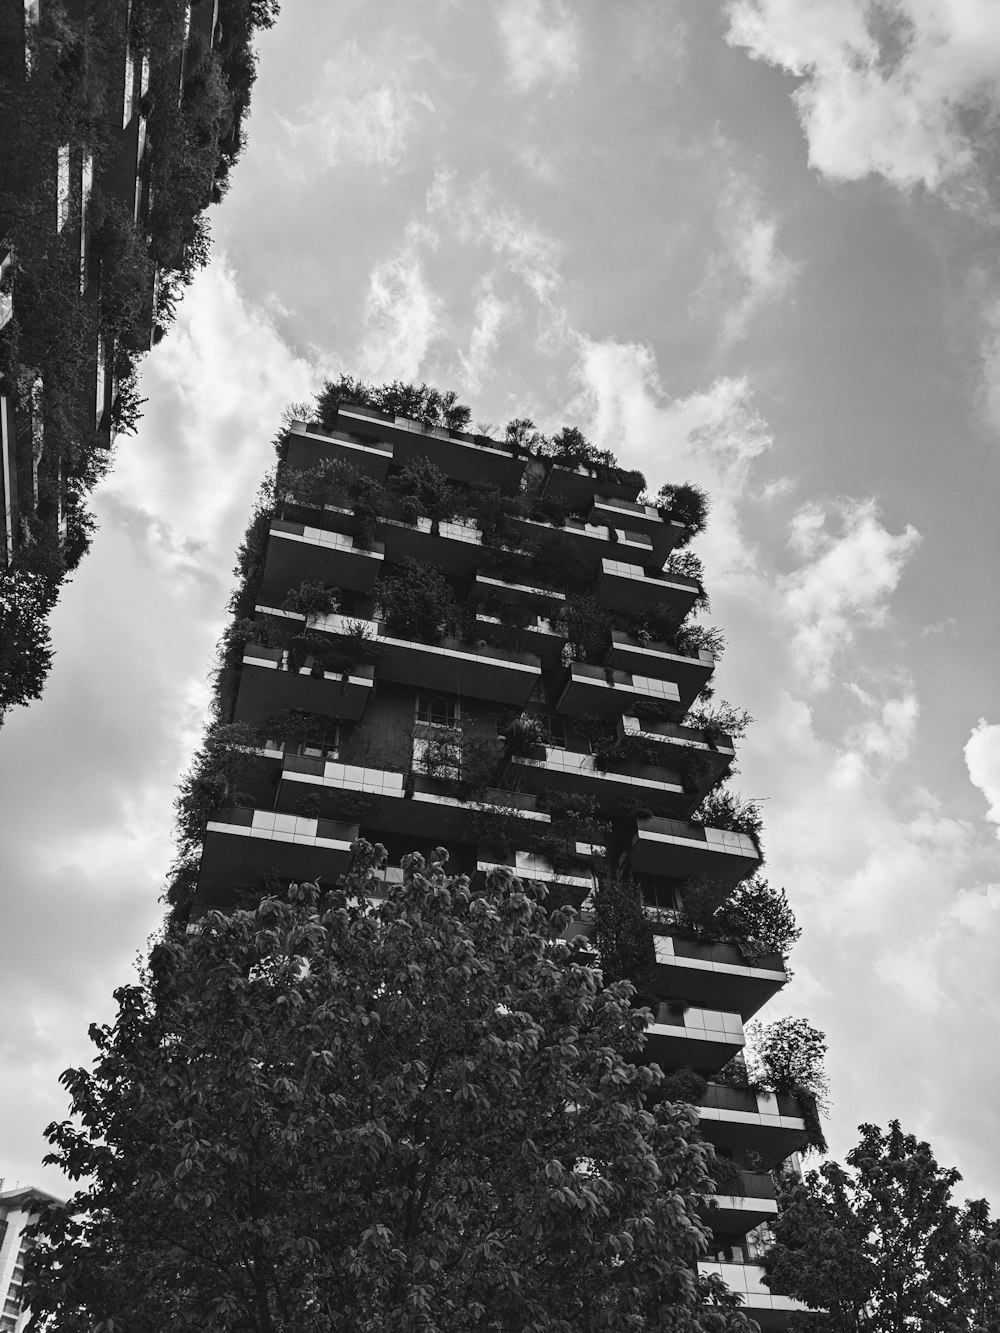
(881, 1247)
(417, 601)
(411, 1113)
(755, 918)
(25, 650)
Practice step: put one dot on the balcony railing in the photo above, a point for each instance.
(461, 456)
(635, 589)
(771, 1312)
(579, 485)
(733, 1211)
(243, 845)
(549, 768)
(595, 541)
(704, 1039)
(454, 548)
(679, 850)
(736, 1118)
(267, 687)
(714, 972)
(689, 674)
(296, 552)
(591, 689)
(663, 533)
(308, 444)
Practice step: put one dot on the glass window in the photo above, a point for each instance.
(437, 710)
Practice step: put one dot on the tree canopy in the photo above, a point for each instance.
(881, 1247)
(379, 1107)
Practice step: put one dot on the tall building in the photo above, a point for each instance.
(19, 1208)
(445, 639)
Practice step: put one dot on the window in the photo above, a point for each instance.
(438, 756)
(438, 710)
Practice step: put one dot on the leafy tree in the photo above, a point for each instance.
(881, 1247)
(417, 601)
(25, 650)
(787, 1056)
(686, 503)
(409, 1114)
(755, 917)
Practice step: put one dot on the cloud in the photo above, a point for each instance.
(541, 43)
(982, 759)
(365, 109)
(491, 314)
(904, 89)
(402, 315)
(843, 585)
(750, 272)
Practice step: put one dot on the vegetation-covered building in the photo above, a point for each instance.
(19, 1208)
(121, 119)
(444, 638)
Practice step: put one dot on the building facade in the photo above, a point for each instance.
(445, 639)
(19, 1208)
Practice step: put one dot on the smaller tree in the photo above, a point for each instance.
(881, 1247)
(25, 647)
(417, 601)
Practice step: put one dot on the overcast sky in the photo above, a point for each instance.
(753, 246)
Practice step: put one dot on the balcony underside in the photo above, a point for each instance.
(459, 668)
(296, 553)
(243, 847)
(461, 458)
(676, 850)
(588, 690)
(772, 1313)
(569, 772)
(736, 1118)
(715, 974)
(307, 447)
(580, 486)
(676, 1047)
(620, 586)
(265, 690)
(735, 1215)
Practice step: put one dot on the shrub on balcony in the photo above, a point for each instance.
(522, 735)
(755, 918)
(314, 487)
(221, 773)
(719, 719)
(422, 490)
(312, 598)
(690, 640)
(417, 601)
(723, 809)
(685, 503)
(787, 1056)
(587, 625)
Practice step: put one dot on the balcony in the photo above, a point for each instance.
(550, 769)
(737, 1118)
(296, 552)
(587, 689)
(771, 1312)
(663, 533)
(241, 846)
(689, 674)
(540, 869)
(307, 444)
(461, 456)
(438, 813)
(454, 548)
(579, 485)
(593, 541)
(736, 1214)
(679, 850)
(711, 757)
(703, 1039)
(714, 973)
(488, 585)
(538, 636)
(641, 590)
(267, 687)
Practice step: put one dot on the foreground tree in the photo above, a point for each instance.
(882, 1248)
(334, 1112)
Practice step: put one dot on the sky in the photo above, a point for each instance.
(752, 245)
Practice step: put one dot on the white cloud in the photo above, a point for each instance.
(491, 313)
(982, 759)
(844, 584)
(750, 272)
(365, 109)
(889, 727)
(541, 43)
(402, 315)
(904, 89)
